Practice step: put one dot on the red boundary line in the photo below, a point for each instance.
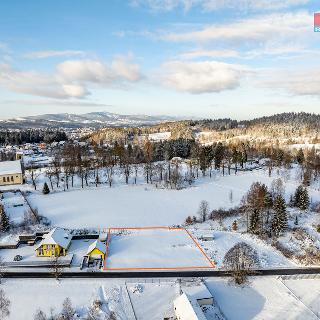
(160, 268)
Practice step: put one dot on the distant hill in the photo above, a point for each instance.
(92, 119)
(286, 128)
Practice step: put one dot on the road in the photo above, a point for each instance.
(158, 274)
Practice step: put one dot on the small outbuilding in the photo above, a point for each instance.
(97, 250)
(207, 237)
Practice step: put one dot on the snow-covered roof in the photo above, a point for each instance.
(57, 236)
(197, 291)
(10, 167)
(187, 308)
(97, 245)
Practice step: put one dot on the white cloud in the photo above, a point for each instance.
(84, 71)
(212, 5)
(201, 77)
(199, 53)
(261, 28)
(53, 53)
(72, 78)
(300, 83)
(123, 67)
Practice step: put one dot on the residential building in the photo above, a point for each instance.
(11, 172)
(54, 244)
(97, 250)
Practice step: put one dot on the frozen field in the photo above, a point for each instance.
(264, 298)
(29, 295)
(144, 205)
(15, 206)
(156, 248)
(224, 240)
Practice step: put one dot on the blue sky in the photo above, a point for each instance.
(203, 58)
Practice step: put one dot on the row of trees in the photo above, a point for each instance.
(18, 137)
(68, 312)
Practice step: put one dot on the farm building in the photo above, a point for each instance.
(198, 293)
(97, 250)
(187, 308)
(11, 172)
(54, 244)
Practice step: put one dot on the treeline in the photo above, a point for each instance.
(162, 163)
(311, 120)
(8, 137)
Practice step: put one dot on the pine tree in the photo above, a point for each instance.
(45, 189)
(4, 221)
(301, 198)
(234, 225)
(296, 221)
(280, 219)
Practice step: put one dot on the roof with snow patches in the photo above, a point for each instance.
(58, 236)
(101, 246)
(10, 167)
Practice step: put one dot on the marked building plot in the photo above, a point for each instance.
(154, 248)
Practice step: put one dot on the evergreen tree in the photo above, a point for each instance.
(280, 219)
(45, 189)
(296, 221)
(301, 198)
(4, 221)
(234, 225)
(300, 156)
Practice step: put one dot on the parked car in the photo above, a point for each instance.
(17, 258)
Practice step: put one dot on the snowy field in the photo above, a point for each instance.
(224, 240)
(265, 298)
(144, 205)
(15, 206)
(153, 301)
(28, 295)
(156, 248)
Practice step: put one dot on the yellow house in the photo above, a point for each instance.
(97, 250)
(54, 244)
(10, 172)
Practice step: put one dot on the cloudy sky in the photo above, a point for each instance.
(203, 58)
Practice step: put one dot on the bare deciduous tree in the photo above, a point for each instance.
(203, 210)
(56, 268)
(239, 261)
(4, 305)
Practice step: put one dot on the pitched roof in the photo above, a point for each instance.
(188, 308)
(57, 236)
(197, 291)
(10, 167)
(97, 245)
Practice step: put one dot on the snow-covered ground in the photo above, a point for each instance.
(265, 298)
(29, 295)
(144, 205)
(224, 240)
(15, 206)
(155, 248)
(262, 298)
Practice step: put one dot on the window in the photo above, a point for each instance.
(11, 178)
(4, 179)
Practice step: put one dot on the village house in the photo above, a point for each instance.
(97, 250)
(187, 308)
(54, 244)
(11, 172)
(188, 305)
